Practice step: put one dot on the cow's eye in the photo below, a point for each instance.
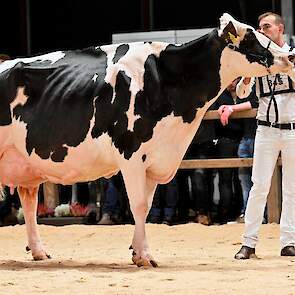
(231, 46)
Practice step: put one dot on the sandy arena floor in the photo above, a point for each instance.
(193, 259)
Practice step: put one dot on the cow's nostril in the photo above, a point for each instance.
(292, 58)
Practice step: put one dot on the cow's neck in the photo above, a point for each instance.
(191, 73)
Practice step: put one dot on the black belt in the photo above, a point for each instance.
(285, 126)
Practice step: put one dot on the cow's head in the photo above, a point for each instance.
(256, 55)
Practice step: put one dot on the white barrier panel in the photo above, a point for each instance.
(171, 36)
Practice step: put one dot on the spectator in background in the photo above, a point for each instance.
(9, 207)
(65, 194)
(50, 195)
(164, 204)
(202, 188)
(229, 136)
(115, 205)
(246, 145)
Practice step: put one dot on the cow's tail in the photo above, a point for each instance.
(2, 192)
(3, 57)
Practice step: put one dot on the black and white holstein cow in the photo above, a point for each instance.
(74, 116)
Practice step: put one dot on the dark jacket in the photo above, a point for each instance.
(234, 128)
(250, 124)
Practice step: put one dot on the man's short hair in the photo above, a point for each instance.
(278, 18)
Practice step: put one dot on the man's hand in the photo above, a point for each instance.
(224, 112)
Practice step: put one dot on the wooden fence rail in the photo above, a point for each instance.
(274, 198)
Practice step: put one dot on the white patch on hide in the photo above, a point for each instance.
(52, 57)
(94, 78)
(132, 64)
(20, 98)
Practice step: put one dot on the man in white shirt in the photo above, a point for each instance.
(275, 134)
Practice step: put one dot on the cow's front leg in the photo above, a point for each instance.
(140, 192)
(29, 201)
(141, 255)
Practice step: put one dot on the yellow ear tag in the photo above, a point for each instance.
(232, 37)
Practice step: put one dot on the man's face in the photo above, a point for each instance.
(271, 29)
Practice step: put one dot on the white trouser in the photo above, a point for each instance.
(268, 143)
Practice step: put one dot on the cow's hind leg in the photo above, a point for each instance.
(140, 192)
(29, 202)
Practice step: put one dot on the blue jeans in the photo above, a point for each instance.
(230, 190)
(245, 150)
(111, 201)
(165, 200)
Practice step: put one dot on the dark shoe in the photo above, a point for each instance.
(241, 219)
(168, 220)
(245, 253)
(91, 217)
(106, 220)
(223, 215)
(288, 251)
(155, 219)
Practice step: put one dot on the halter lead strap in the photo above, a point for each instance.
(272, 99)
(272, 91)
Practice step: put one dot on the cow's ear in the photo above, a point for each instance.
(229, 33)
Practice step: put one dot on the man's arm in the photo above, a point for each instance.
(225, 111)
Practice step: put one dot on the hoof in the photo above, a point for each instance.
(153, 263)
(38, 257)
(41, 257)
(143, 261)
